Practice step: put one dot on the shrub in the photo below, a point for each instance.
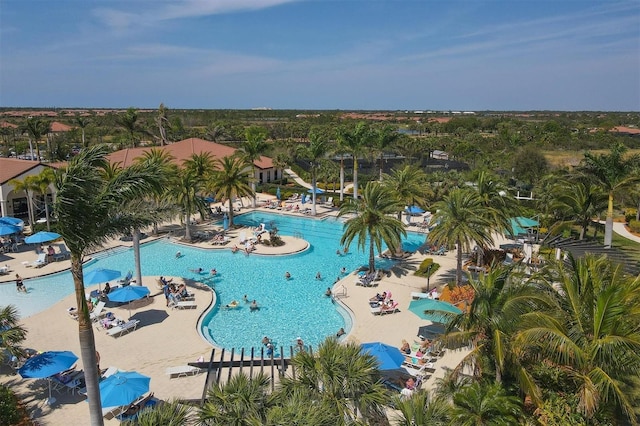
(634, 226)
(11, 410)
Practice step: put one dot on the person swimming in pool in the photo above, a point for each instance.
(197, 270)
(287, 275)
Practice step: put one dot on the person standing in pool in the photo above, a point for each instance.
(19, 284)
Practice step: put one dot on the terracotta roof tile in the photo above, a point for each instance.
(11, 168)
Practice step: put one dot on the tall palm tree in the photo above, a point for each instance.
(27, 185)
(500, 300)
(613, 173)
(409, 185)
(485, 404)
(186, 192)
(89, 212)
(340, 149)
(161, 121)
(36, 129)
(461, 221)
(372, 224)
(12, 334)
(41, 184)
(83, 122)
(355, 141)
(129, 122)
(315, 153)
(241, 401)
(383, 138)
(579, 201)
(230, 180)
(590, 332)
(341, 378)
(253, 149)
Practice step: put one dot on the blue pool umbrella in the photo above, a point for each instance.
(128, 294)
(419, 307)
(318, 191)
(278, 193)
(6, 229)
(414, 210)
(225, 222)
(41, 237)
(8, 220)
(46, 365)
(123, 388)
(101, 275)
(389, 357)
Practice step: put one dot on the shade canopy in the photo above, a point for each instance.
(225, 222)
(101, 275)
(8, 220)
(47, 364)
(389, 357)
(278, 193)
(419, 307)
(41, 237)
(128, 293)
(318, 191)
(431, 331)
(414, 210)
(520, 224)
(123, 388)
(303, 199)
(7, 229)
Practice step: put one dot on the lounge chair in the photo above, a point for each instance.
(119, 330)
(185, 304)
(126, 280)
(376, 310)
(97, 313)
(390, 310)
(39, 262)
(63, 254)
(4, 270)
(183, 371)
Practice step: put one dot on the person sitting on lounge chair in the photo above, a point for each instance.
(106, 289)
(405, 348)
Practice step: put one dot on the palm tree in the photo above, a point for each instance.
(230, 181)
(383, 138)
(36, 129)
(590, 332)
(340, 378)
(169, 413)
(241, 401)
(485, 404)
(340, 150)
(83, 122)
(421, 410)
(579, 201)
(88, 208)
(27, 185)
(129, 121)
(372, 224)
(409, 185)
(161, 121)
(186, 192)
(461, 221)
(354, 141)
(12, 334)
(315, 154)
(613, 173)
(41, 184)
(253, 149)
(500, 300)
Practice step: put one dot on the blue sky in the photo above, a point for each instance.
(322, 54)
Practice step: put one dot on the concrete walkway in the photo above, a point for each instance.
(621, 229)
(307, 185)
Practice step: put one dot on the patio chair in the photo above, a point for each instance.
(63, 254)
(97, 313)
(119, 330)
(39, 262)
(390, 310)
(127, 279)
(183, 371)
(185, 304)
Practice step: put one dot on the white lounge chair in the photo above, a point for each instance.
(97, 313)
(119, 330)
(184, 304)
(39, 262)
(183, 371)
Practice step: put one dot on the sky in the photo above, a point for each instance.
(472, 55)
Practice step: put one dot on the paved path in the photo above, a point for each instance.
(621, 229)
(307, 185)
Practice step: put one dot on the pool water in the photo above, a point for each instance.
(288, 308)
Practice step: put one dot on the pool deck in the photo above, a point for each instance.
(168, 338)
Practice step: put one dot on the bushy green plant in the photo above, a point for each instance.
(634, 226)
(11, 411)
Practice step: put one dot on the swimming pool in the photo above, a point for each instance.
(289, 308)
